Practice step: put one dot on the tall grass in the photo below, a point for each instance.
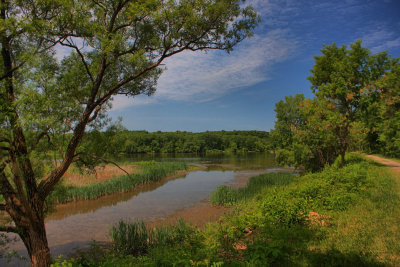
(151, 171)
(226, 195)
(137, 239)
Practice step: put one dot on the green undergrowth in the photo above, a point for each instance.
(226, 195)
(150, 171)
(337, 217)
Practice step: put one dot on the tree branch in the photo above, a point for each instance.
(40, 136)
(96, 113)
(103, 160)
(7, 73)
(72, 45)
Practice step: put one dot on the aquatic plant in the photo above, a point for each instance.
(151, 171)
(136, 238)
(226, 195)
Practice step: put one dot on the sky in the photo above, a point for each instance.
(214, 91)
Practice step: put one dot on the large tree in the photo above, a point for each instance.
(117, 47)
(388, 124)
(341, 78)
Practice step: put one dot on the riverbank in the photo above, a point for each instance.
(337, 217)
(74, 187)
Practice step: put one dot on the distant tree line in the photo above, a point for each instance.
(116, 140)
(356, 107)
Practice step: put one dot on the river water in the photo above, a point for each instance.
(75, 225)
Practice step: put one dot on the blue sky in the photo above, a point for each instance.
(238, 91)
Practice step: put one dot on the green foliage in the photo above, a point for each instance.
(388, 123)
(288, 117)
(284, 157)
(334, 217)
(151, 171)
(284, 209)
(355, 107)
(227, 195)
(131, 142)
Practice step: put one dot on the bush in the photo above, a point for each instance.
(281, 208)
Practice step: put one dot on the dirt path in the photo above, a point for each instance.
(393, 165)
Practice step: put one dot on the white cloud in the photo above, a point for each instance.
(380, 39)
(61, 52)
(201, 76)
(121, 101)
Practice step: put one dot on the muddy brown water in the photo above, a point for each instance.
(77, 224)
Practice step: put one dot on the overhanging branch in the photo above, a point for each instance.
(103, 160)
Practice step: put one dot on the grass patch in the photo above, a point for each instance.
(224, 195)
(150, 171)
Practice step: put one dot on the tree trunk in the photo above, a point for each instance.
(342, 154)
(35, 241)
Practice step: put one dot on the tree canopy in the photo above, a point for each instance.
(355, 107)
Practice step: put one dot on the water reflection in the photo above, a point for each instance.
(244, 161)
(90, 206)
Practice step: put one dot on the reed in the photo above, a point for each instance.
(137, 239)
(150, 171)
(226, 195)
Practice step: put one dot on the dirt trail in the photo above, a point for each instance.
(393, 165)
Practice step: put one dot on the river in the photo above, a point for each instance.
(75, 225)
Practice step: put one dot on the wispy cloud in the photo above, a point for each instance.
(380, 38)
(120, 102)
(199, 76)
(202, 77)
